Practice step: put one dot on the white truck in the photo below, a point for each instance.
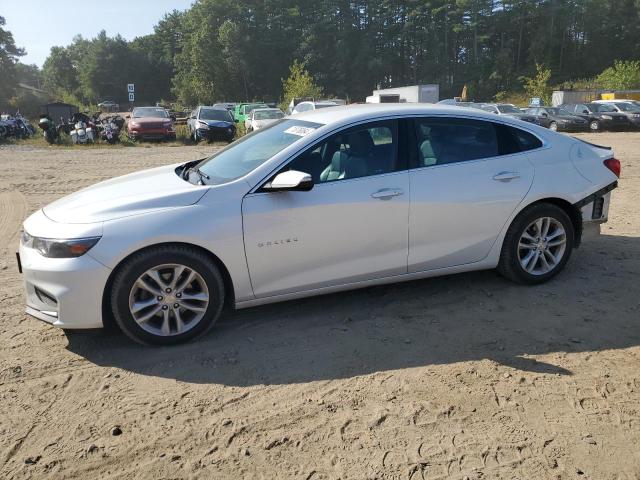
(412, 94)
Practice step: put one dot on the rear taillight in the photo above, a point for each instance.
(613, 164)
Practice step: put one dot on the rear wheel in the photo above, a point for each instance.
(167, 295)
(538, 244)
(553, 126)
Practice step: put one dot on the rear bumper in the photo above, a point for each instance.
(64, 292)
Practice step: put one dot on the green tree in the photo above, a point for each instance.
(299, 84)
(622, 76)
(59, 73)
(538, 85)
(9, 54)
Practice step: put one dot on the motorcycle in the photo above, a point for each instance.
(83, 131)
(50, 131)
(109, 128)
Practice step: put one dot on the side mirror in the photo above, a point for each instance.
(585, 111)
(128, 116)
(192, 117)
(290, 181)
(236, 120)
(545, 114)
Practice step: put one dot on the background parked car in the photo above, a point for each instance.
(557, 119)
(150, 123)
(261, 117)
(243, 109)
(599, 115)
(211, 123)
(629, 108)
(508, 110)
(312, 105)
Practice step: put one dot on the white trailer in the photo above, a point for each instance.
(413, 94)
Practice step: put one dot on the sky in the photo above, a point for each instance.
(38, 25)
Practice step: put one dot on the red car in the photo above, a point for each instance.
(150, 123)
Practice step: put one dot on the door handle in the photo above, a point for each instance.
(506, 176)
(387, 193)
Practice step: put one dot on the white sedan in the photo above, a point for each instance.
(262, 117)
(329, 200)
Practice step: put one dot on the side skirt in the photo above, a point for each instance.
(407, 277)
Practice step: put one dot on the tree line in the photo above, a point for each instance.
(232, 50)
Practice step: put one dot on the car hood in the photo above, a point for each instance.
(217, 123)
(264, 123)
(133, 194)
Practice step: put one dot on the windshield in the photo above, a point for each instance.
(267, 114)
(628, 107)
(154, 112)
(325, 105)
(508, 109)
(248, 108)
(214, 114)
(601, 107)
(251, 151)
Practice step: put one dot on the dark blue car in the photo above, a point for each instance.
(211, 123)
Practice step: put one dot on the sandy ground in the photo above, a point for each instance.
(467, 376)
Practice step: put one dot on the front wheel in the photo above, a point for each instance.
(553, 126)
(594, 125)
(537, 245)
(167, 295)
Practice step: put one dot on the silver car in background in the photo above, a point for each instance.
(324, 201)
(261, 117)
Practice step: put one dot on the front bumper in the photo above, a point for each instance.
(64, 292)
(213, 133)
(573, 127)
(152, 134)
(614, 124)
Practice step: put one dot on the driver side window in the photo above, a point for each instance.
(353, 153)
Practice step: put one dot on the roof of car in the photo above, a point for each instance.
(368, 110)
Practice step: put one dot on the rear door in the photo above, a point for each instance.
(468, 176)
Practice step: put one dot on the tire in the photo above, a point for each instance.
(553, 126)
(594, 125)
(164, 309)
(517, 247)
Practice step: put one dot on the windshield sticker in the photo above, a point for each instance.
(299, 131)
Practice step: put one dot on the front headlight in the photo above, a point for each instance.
(58, 247)
(607, 117)
(203, 125)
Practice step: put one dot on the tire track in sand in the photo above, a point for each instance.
(13, 208)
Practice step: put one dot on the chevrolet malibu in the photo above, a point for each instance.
(325, 201)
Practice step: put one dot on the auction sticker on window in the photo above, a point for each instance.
(299, 131)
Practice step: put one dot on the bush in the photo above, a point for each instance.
(622, 76)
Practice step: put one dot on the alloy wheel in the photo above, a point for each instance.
(168, 299)
(542, 246)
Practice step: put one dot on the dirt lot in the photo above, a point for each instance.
(467, 376)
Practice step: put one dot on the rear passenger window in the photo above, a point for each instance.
(525, 140)
(452, 140)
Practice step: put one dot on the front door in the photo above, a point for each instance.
(352, 226)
